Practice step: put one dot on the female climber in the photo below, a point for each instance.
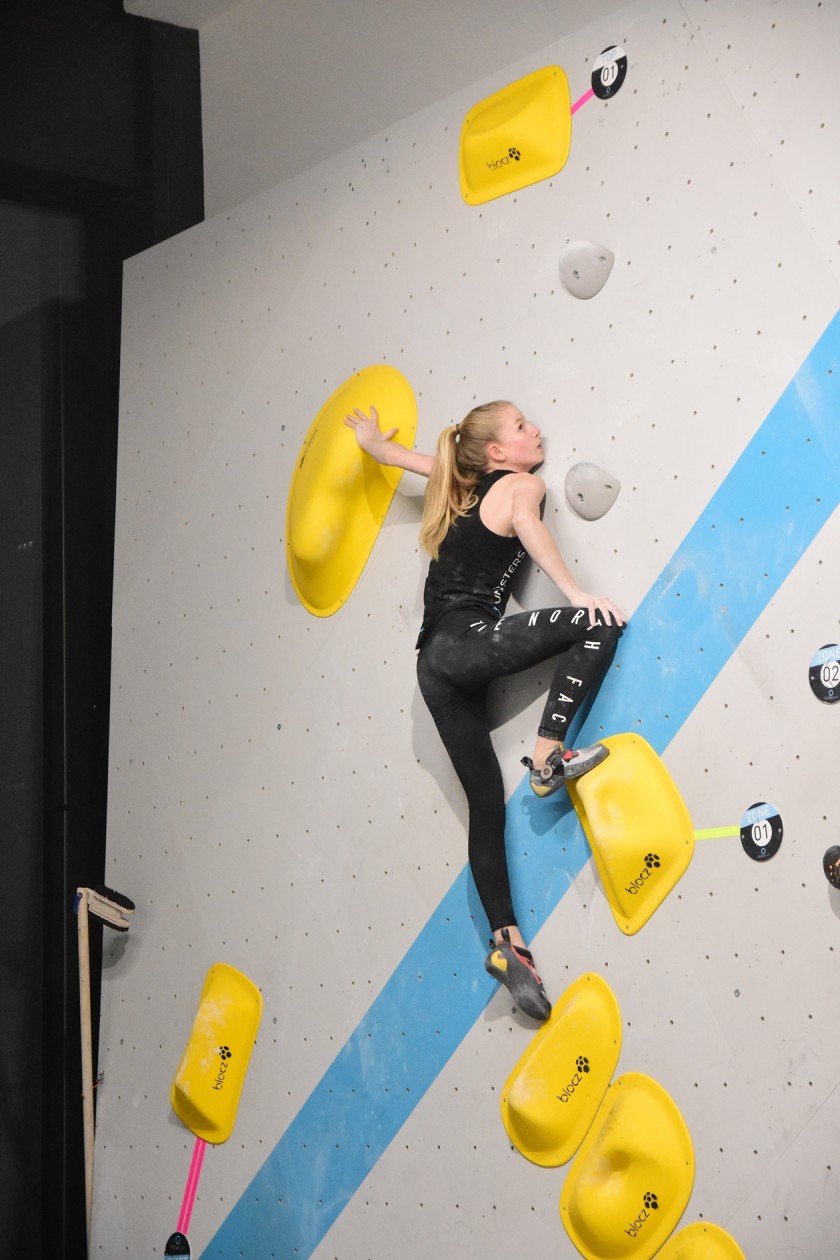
(482, 514)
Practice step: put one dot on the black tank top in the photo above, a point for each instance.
(474, 567)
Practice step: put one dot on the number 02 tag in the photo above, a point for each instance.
(824, 673)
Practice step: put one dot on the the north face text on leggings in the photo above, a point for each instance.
(560, 718)
(460, 657)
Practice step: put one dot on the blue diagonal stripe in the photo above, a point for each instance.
(769, 509)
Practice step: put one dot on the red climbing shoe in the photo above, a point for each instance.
(514, 967)
(562, 764)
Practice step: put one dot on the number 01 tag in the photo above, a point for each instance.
(609, 72)
(761, 831)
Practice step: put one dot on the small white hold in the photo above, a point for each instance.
(585, 268)
(590, 492)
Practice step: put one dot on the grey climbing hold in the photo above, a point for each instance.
(590, 492)
(585, 268)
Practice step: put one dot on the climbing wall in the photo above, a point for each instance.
(279, 800)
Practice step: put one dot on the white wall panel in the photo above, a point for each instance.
(279, 798)
(285, 85)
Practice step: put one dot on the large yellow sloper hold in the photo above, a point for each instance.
(632, 1178)
(206, 1088)
(638, 828)
(516, 137)
(701, 1241)
(338, 496)
(551, 1096)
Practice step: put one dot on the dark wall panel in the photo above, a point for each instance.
(100, 158)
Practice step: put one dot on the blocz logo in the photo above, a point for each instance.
(512, 155)
(651, 1204)
(581, 1068)
(224, 1053)
(652, 863)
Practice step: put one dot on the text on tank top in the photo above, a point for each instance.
(474, 568)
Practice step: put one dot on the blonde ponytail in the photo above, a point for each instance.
(460, 462)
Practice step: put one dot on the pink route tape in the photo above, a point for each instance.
(582, 100)
(192, 1186)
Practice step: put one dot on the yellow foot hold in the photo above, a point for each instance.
(638, 828)
(701, 1241)
(632, 1178)
(553, 1093)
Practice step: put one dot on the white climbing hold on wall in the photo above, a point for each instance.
(585, 268)
(590, 491)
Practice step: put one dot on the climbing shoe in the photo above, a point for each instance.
(831, 865)
(514, 968)
(564, 763)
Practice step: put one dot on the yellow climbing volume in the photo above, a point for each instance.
(638, 828)
(338, 496)
(517, 136)
(701, 1241)
(206, 1089)
(631, 1179)
(553, 1093)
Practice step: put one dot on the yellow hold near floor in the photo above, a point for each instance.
(632, 1178)
(701, 1241)
(206, 1089)
(551, 1096)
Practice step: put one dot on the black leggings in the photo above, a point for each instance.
(464, 653)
